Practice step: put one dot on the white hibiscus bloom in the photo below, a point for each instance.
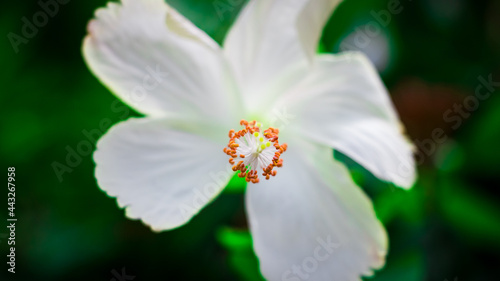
(192, 92)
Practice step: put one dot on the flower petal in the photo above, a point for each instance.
(271, 37)
(343, 103)
(158, 62)
(312, 222)
(162, 172)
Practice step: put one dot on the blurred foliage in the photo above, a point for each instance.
(241, 255)
(447, 226)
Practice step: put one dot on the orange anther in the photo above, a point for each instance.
(244, 169)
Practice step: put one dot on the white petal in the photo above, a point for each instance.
(158, 62)
(311, 21)
(312, 218)
(344, 104)
(160, 171)
(271, 37)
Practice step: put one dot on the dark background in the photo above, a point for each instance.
(432, 56)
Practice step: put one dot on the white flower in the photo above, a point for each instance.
(193, 92)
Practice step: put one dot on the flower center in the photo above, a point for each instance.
(258, 150)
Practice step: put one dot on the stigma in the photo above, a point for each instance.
(253, 150)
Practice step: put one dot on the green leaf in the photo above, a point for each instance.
(473, 215)
(236, 185)
(481, 141)
(241, 256)
(389, 200)
(362, 177)
(450, 156)
(407, 205)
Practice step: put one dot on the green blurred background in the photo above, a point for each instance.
(432, 55)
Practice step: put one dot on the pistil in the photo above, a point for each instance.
(256, 149)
